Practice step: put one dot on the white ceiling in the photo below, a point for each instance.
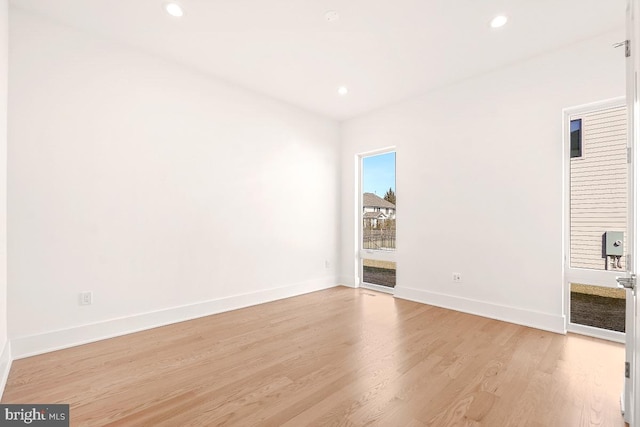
(382, 51)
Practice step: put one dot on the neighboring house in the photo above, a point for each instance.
(376, 210)
(598, 184)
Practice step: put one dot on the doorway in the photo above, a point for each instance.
(378, 213)
(596, 219)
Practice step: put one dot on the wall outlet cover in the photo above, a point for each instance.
(86, 298)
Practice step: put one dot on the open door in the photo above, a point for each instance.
(631, 398)
(596, 217)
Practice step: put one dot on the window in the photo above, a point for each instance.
(598, 306)
(576, 138)
(378, 210)
(381, 273)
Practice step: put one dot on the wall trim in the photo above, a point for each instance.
(349, 282)
(5, 366)
(32, 345)
(534, 319)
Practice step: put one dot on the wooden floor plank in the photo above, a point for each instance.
(342, 357)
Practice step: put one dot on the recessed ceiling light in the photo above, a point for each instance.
(174, 9)
(342, 90)
(498, 21)
(331, 16)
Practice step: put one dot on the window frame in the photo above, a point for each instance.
(580, 154)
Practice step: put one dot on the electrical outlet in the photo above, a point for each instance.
(86, 298)
(457, 277)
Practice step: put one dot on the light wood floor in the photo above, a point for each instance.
(337, 357)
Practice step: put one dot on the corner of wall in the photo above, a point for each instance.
(5, 366)
(349, 282)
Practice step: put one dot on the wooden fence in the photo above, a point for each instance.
(379, 239)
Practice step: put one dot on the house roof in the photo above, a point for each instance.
(374, 215)
(372, 200)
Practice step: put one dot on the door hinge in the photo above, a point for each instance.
(627, 47)
(627, 370)
(627, 282)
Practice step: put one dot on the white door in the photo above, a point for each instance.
(632, 384)
(596, 218)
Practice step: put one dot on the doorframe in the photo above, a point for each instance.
(371, 253)
(584, 276)
(631, 394)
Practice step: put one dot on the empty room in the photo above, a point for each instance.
(310, 212)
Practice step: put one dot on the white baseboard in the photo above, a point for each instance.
(5, 366)
(22, 347)
(534, 319)
(349, 282)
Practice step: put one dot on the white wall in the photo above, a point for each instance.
(479, 183)
(155, 187)
(4, 45)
